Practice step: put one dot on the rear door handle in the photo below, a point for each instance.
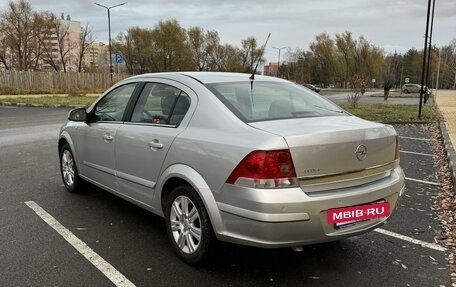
(107, 138)
(155, 144)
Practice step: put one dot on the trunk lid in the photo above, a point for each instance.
(334, 145)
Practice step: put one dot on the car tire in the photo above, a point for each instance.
(188, 226)
(406, 91)
(69, 171)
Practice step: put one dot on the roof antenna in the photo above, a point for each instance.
(252, 77)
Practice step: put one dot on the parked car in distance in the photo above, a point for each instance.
(312, 87)
(414, 88)
(221, 156)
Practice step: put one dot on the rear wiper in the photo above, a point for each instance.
(330, 110)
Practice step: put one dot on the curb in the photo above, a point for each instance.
(451, 154)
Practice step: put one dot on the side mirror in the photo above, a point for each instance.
(78, 115)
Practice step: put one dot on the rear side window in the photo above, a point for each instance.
(264, 101)
(161, 104)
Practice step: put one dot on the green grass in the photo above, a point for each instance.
(52, 101)
(394, 113)
(397, 95)
(45, 91)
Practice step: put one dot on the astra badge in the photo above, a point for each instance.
(361, 152)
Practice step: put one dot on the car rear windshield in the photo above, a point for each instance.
(263, 101)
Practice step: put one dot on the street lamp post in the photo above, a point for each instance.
(111, 70)
(278, 62)
(423, 70)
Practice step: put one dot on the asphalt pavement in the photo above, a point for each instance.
(133, 241)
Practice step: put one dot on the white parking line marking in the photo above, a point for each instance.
(423, 181)
(107, 269)
(417, 153)
(411, 240)
(418, 139)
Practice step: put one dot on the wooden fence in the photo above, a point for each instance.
(32, 80)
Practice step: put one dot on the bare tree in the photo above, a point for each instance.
(64, 44)
(17, 25)
(4, 55)
(47, 53)
(85, 41)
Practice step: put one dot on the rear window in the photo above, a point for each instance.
(262, 101)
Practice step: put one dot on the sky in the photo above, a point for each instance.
(394, 25)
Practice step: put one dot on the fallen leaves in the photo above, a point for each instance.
(399, 262)
(445, 202)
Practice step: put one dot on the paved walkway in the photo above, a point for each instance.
(446, 100)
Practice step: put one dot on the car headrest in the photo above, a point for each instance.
(167, 100)
(281, 109)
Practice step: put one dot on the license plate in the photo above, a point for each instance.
(345, 216)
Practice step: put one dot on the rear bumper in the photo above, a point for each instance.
(291, 217)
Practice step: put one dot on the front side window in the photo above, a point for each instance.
(113, 105)
(161, 104)
(262, 101)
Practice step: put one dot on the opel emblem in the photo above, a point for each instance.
(361, 152)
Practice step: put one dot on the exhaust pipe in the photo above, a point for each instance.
(297, 248)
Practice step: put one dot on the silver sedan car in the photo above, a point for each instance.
(256, 160)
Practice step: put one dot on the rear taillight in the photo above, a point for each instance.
(265, 169)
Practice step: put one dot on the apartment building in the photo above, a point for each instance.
(96, 57)
(64, 42)
(272, 69)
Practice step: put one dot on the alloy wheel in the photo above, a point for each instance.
(185, 224)
(68, 168)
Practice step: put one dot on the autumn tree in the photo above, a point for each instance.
(346, 54)
(299, 66)
(335, 61)
(250, 54)
(171, 51)
(32, 38)
(413, 65)
(20, 27)
(392, 62)
(226, 58)
(369, 59)
(202, 44)
(136, 47)
(323, 50)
